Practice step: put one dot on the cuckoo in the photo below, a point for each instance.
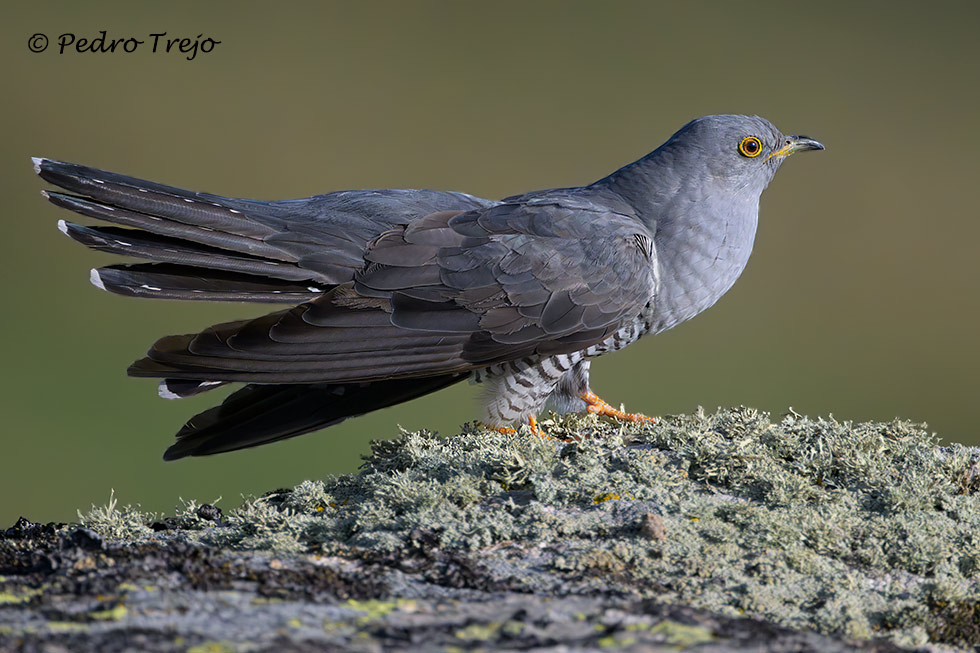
(394, 294)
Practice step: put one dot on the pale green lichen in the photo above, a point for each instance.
(857, 530)
(112, 522)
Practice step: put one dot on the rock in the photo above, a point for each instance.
(721, 532)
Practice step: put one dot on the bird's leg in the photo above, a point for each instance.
(602, 407)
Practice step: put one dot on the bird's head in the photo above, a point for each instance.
(737, 151)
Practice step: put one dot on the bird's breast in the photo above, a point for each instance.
(700, 255)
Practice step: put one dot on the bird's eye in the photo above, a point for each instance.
(750, 147)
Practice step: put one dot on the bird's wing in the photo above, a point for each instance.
(450, 292)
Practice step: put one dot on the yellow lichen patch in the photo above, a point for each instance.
(26, 595)
(513, 628)
(264, 600)
(212, 647)
(619, 640)
(114, 613)
(605, 497)
(66, 627)
(613, 496)
(373, 609)
(478, 632)
(682, 635)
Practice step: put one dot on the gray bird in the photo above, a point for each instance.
(399, 293)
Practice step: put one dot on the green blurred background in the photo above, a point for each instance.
(860, 301)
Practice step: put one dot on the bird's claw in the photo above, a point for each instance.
(532, 422)
(599, 406)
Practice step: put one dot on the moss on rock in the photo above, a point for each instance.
(852, 530)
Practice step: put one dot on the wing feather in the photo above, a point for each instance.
(449, 293)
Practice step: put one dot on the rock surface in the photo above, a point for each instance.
(702, 532)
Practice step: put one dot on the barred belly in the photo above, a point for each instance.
(517, 390)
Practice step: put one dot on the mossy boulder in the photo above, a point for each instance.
(690, 532)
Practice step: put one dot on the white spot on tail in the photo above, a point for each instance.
(154, 288)
(63, 227)
(95, 279)
(165, 392)
(98, 181)
(37, 164)
(314, 289)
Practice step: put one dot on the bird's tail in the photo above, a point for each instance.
(260, 414)
(205, 247)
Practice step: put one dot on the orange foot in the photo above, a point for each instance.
(601, 407)
(507, 430)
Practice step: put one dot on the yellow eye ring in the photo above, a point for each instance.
(750, 147)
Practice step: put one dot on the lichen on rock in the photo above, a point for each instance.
(856, 531)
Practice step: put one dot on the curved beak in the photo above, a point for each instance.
(796, 144)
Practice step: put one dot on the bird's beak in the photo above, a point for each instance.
(796, 144)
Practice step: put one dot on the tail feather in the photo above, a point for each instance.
(223, 252)
(319, 239)
(143, 244)
(159, 225)
(260, 414)
(168, 281)
(180, 389)
(150, 198)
